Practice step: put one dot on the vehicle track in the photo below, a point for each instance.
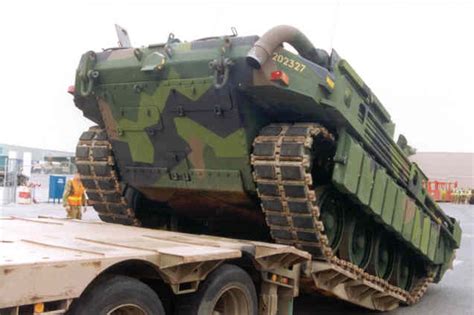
(282, 162)
(96, 165)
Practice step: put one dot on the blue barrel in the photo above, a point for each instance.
(56, 187)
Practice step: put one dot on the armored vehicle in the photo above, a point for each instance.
(242, 137)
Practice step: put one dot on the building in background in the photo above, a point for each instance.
(37, 154)
(447, 167)
(41, 161)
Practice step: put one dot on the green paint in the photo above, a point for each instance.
(399, 210)
(378, 191)
(366, 178)
(231, 146)
(425, 236)
(140, 146)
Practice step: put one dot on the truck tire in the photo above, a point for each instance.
(227, 290)
(118, 295)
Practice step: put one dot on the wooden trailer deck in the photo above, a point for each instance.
(50, 259)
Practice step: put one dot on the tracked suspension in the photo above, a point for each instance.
(282, 161)
(96, 165)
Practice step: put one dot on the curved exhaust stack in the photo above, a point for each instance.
(278, 35)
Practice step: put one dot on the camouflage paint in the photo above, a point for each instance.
(167, 117)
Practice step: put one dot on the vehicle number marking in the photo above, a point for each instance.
(288, 62)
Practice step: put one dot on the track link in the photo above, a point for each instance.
(96, 164)
(282, 162)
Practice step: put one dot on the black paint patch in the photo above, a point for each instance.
(214, 110)
(90, 108)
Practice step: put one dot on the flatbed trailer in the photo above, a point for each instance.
(57, 266)
(61, 266)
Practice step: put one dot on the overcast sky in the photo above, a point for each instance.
(416, 56)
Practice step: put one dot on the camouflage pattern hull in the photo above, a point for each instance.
(223, 134)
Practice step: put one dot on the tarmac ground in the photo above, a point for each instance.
(453, 295)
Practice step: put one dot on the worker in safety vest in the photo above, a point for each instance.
(74, 198)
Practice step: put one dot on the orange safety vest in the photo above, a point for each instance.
(75, 199)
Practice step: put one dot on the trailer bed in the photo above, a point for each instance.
(51, 259)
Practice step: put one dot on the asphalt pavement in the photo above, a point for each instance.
(453, 295)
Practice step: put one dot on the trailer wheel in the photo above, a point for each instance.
(228, 290)
(118, 295)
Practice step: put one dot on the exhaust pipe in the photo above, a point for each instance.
(266, 45)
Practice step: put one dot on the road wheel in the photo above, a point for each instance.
(384, 256)
(356, 245)
(118, 295)
(228, 290)
(404, 272)
(331, 209)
